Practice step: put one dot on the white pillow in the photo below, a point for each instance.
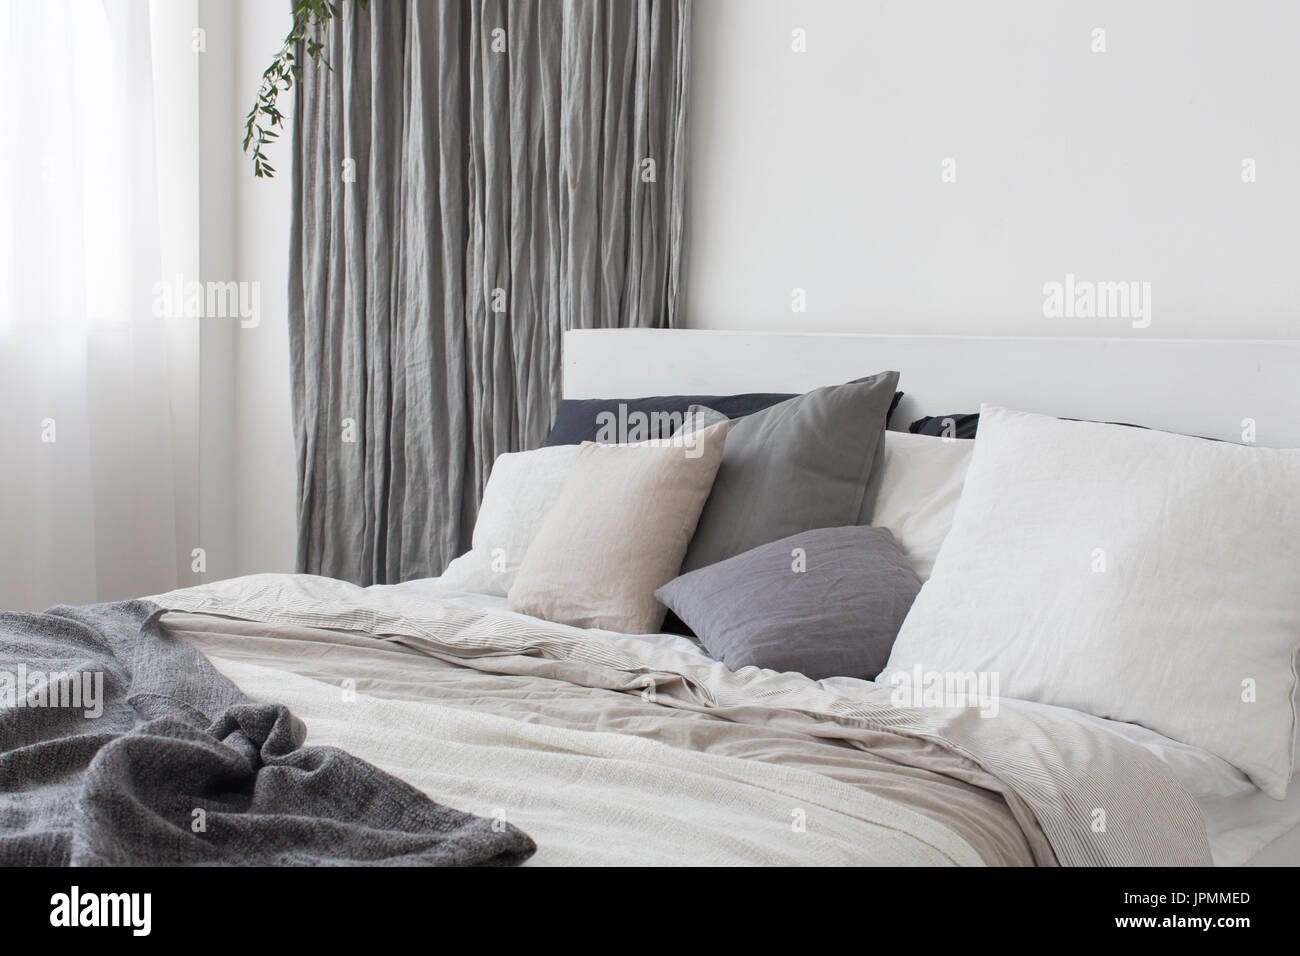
(915, 487)
(1136, 575)
(520, 491)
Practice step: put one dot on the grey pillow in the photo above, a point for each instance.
(837, 617)
(698, 418)
(795, 466)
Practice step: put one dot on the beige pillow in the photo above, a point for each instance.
(618, 532)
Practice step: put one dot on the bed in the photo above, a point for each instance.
(612, 748)
(680, 819)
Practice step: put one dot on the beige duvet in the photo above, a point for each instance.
(624, 752)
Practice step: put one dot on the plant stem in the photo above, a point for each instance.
(264, 120)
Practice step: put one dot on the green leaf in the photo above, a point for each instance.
(285, 68)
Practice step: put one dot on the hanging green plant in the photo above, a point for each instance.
(264, 120)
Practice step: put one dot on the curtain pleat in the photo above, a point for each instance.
(470, 180)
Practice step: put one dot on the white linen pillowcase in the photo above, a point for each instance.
(1136, 575)
(915, 488)
(520, 491)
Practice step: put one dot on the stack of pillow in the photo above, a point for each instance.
(748, 515)
(1132, 574)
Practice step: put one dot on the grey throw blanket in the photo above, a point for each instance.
(120, 745)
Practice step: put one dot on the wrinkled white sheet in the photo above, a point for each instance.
(1240, 819)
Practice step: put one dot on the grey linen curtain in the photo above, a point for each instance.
(470, 179)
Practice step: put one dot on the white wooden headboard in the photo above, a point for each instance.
(1198, 387)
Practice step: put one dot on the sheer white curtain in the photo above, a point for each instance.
(88, 507)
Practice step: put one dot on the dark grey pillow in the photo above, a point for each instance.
(837, 617)
(588, 419)
(795, 466)
(585, 419)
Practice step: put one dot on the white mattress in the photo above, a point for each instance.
(1240, 820)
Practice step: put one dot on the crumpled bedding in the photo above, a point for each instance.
(592, 743)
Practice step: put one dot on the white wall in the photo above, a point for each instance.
(246, 482)
(245, 490)
(265, 468)
(821, 170)
(196, 169)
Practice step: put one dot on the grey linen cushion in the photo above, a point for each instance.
(699, 417)
(793, 467)
(825, 603)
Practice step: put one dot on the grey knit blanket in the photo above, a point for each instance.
(120, 745)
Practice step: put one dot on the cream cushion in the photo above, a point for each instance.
(618, 532)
